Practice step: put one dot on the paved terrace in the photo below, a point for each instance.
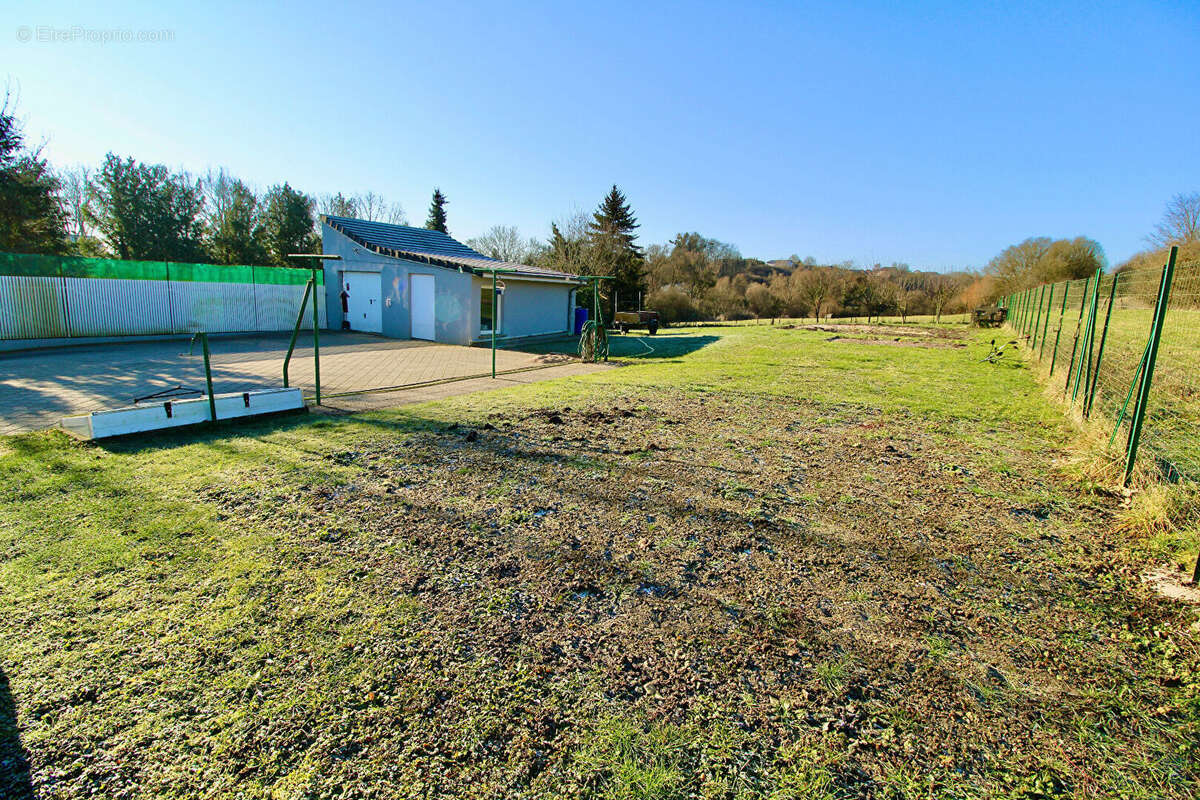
(39, 387)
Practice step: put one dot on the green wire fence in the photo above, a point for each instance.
(1124, 348)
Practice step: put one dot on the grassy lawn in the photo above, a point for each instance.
(755, 562)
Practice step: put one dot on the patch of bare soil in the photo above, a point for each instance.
(556, 358)
(800, 572)
(913, 331)
(1173, 583)
(897, 342)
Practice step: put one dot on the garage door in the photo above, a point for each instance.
(363, 307)
(422, 307)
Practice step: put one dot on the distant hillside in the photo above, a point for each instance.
(758, 270)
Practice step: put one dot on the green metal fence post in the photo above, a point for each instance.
(600, 330)
(296, 332)
(1139, 411)
(1058, 332)
(1091, 394)
(1046, 324)
(1035, 311)
(1037, 323)
(1089, 336)
(316, 339)
(494, 321)
(1029, 313)
(1075, 344)
(1133, 385)
(212, 401)
(1137, 378)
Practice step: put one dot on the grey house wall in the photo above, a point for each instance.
(452, 290)
(529, 307)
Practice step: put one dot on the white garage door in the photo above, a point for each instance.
(422, 306)
(363, 307)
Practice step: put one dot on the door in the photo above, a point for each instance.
(422, 306)
(364, 311)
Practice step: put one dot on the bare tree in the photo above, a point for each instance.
(369, 206)
(218, 187)
(1016, 265)
(1180, 223)
(337, 205)
(906, 298)
(818, 288)
(940, 289)
(504, 242)
(761, 301)
(375, 208)
(74, 193)
(569, 248)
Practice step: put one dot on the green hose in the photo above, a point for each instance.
(593, 338)
(593, 342)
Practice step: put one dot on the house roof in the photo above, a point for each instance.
(433, 247)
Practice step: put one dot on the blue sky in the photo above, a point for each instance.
(926, 132)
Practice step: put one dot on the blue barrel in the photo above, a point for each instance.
(581, 316)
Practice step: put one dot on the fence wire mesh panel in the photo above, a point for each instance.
(1093, 338)
(1171, 433)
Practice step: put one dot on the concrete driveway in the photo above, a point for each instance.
(39, 387)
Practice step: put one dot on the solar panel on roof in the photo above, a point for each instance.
(424, 242)
(403, 237)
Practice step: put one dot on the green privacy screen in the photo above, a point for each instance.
(74, 267)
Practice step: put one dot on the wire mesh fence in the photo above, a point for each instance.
(1124, 349)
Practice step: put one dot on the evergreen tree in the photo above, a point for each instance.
(613, 236)
(235, 231)
(145, 212)
(614, 221)
(437, 212)
(31, 219)
(288, 226)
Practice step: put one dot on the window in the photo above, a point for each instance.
(489, 309)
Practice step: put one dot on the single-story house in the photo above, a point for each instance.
(414, 283)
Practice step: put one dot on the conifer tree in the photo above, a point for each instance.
(612, 231)
(437, 212)
(288, 226)
(31, 219)
(145, 211)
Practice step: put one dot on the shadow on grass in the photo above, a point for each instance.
(14, 762)
(202, 433)
(664, 345)
(662, 349)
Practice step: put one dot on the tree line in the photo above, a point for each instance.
(129, 209)
(133, 210)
